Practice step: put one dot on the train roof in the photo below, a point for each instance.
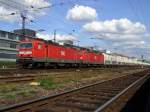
(66, 45)
(117, 54)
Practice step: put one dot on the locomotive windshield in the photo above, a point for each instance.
(25, 45)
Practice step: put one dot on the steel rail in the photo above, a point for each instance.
(27, 103)
(104, 106)
(55, 95)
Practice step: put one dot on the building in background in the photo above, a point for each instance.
(8, 46)
(28, 32)
(9, 42)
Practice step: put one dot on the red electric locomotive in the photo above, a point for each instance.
(37, 52)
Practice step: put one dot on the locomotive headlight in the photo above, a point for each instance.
(28, 52)
(21, 52)
(25, 52)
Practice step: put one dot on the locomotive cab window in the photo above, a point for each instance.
(26, 45)
(39, 46)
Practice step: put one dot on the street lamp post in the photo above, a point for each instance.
(55, 35)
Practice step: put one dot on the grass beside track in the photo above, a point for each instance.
(14, 93)
(7, 64)
(77, 77)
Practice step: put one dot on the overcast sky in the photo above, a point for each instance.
(120, 26)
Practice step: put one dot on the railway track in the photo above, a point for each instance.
(7, 72)
(19, 78)
(26, 75)
(105, 96)
(14, 72)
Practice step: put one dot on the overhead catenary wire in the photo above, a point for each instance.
(21, 4)
(31, 8)
(37, 9)
(139, 16)
(7, 4)
(141, 10)
(136, 10)
(19, 11)
(59, 19)
(17, 5)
